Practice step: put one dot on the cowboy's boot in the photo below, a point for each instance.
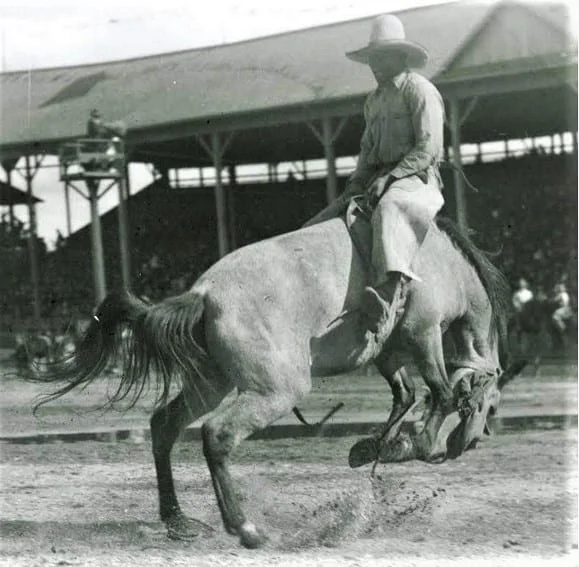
(384, 305)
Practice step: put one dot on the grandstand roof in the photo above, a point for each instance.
(265, 88)
(10, 195)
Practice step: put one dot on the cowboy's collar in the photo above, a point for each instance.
(396, 81)
(399, 79)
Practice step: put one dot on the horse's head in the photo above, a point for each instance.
(477, 396)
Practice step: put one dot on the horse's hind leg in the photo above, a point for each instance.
(224, 430)
(167, 424)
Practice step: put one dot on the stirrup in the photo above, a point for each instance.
(386, 324)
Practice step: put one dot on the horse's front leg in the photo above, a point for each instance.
(429, 358)
(403, 402)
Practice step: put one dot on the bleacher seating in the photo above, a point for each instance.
(525, 210)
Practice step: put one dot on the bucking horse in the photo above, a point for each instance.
(243, 344)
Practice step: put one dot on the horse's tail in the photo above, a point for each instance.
(161, 345)
(492, 279)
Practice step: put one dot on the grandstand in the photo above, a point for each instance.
(508, 71)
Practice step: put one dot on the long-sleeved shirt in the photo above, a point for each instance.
(404, 126)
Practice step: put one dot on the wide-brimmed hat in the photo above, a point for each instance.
(387, 35)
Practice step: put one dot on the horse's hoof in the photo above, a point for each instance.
(363, 452)
(400, 449)
(181, 527)
(250, 537)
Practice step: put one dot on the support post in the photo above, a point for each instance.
(11, 205)
(98, 259)
(67, 204)
(32, 250)
(231, 205)
(455, 120)
(164, 175)
(8, 166)
(328, 142)
(124, 232)
(222, 233)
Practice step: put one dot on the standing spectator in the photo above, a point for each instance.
(562, 303)
(521, 295)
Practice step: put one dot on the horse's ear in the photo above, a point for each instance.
(511, 372)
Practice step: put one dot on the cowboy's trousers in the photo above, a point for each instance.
(401, 221)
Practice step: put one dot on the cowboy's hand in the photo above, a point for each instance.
(353, 189)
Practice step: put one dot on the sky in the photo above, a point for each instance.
(63, 32)
(52, 33)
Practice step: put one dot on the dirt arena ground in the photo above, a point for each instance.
(91, 503)
(513, 500)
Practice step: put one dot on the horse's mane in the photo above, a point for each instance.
(492, 279)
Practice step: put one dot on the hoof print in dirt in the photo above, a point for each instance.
(182, 528)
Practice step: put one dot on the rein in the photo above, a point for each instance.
(454, 167)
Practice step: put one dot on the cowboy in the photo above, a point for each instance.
(397, 167)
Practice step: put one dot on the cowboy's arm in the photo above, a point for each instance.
(427, 111)
(333, 210)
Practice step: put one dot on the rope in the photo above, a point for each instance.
(450, 165)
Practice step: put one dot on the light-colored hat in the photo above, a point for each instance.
(388, 35)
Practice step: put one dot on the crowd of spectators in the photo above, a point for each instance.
(525, 213)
